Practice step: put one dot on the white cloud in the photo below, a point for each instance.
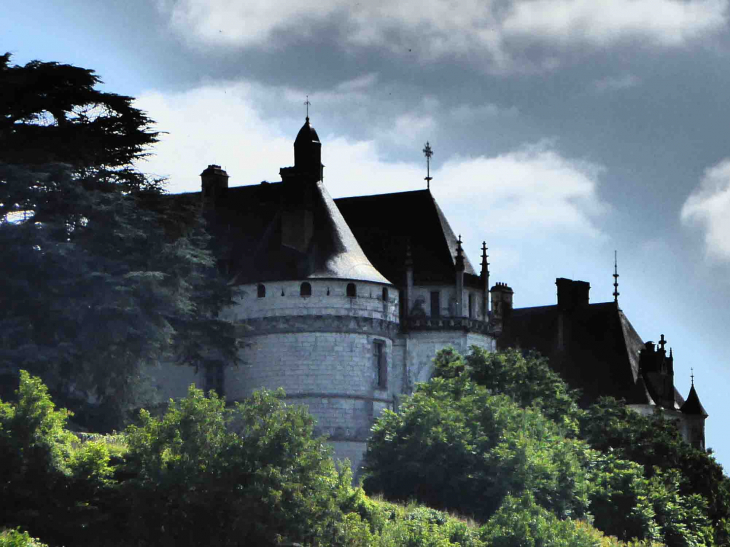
(529, 194)
(527, 191)
(708, 206)
(493, 30)
(603, 22)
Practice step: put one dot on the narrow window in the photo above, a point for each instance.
(380, 363)
(385, 294)
(214, 378)
(305, 289)
(351, 290)
(435, 304)
(471, 306)
(261, 291)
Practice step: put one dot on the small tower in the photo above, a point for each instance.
(214, 182)
(308, 153)
(695, 416)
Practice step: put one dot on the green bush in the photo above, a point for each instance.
(17, 538)
(251, 474)
(455, 446)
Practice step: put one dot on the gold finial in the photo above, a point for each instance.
(428, 152)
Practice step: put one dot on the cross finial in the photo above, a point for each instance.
(428, 152)
(662, 342)
(307, 104)
(615, 277)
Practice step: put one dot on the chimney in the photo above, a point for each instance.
(501, 304)
(214, 182)
(572, 294)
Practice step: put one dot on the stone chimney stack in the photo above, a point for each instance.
(214, 182)
(572, 294)
(501, 304)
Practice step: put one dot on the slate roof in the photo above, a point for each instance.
(385, 224)
(693, 405)
(246, 222)
(599, 353)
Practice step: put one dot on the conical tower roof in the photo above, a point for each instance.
(693, 405)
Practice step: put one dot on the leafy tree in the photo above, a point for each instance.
(104, 274)
(521, 521)
(526, 378)
(205, 474)
(461, 443)
(53, 113)
(18, 538)
(47, 484)
(655, 444)
(455, 446)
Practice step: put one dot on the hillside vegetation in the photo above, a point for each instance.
(472, 458)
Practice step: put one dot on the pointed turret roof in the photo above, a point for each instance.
(693, 405)
(256, 244)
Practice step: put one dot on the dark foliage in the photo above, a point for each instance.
(102, 274)
(655, 444)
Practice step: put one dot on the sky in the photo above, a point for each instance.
(562, 130)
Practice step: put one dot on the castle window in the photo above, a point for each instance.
(385, 294)
(351, 290)
(435, 304)
(214, 378)
(471, 306)
(380, 363)
(305, 289)
(261, 291)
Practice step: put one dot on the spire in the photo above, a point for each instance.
(459, 256)
(485, 282)
(485, 256)
(615, 277)
(307, 104)
(692, 373)
(692, 404)
(428, 152)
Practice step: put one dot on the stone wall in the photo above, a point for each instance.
(447, 296)
(420, 347)
(328, 298)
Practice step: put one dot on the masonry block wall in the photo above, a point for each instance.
(329, 344)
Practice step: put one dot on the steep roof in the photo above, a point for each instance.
(693, 405)
(385, 224)
(593, 347)
(248, 224)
